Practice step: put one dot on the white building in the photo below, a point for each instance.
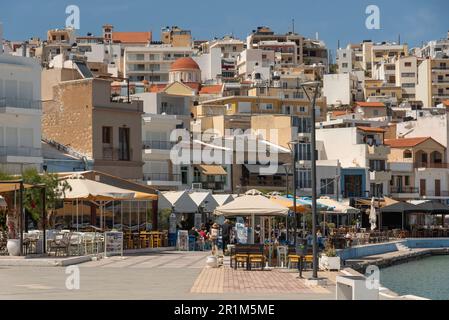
(433, 81)
(252, 61)
(407, 76)
(344, 60)
(152, 63)
(20, 114)
(358, 149)
(211, 66)
(340, 88)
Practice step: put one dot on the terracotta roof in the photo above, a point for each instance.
(340, 113)
(193, 85)
(156, 88)
(405, 142)
(371, 104)
(212, 89)
(370, 129)
(132, 37)
(184, 64)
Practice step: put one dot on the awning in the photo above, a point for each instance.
(337, 206)
(251, 205)
(288, 203)
(145, 196)
(6, 186)
(256, 169)
(212, 170)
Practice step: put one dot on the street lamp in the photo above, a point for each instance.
(292, 145)
(287, 172)
(316, 86)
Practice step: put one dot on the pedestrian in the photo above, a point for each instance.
(213, 236)
(226, 234)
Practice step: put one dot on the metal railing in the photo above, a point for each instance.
(20, 103)
(161, 177)
(404, 190)
(117, 154)
(432, 165)
(155, 144)
(20, 151)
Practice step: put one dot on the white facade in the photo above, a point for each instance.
(210, 65)
(20, 114)
(152, 63)
(251, 60)
(340, 89)
(344, 60)
(407, 76)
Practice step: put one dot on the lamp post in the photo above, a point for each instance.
(292, 145)
(287, 172)
(316, 86)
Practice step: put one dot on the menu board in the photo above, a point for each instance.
(183, 241)
(113, 243)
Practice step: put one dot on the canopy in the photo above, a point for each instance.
(212, 170)
(145, 196)
(85, 189)
(400, 207)
(204, 198)
(222, 199)
(180, 200)
(433, 207)
(308, 202)
(251, 205)
(337, 206)
(288, 203)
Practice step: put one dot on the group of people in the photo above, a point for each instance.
(209, 233)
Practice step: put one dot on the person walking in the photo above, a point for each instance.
(214, 231)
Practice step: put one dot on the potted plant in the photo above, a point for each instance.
(329, 259)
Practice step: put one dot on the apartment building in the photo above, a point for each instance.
(284, 52)
(435, 48)
(315, 52)
(419, 168)
(80, 114)
(370, 110)
(407, 76)
(59, 41)
(176, 37)
(374, 53)
(363, 157)
(350, 59)
(379, 91)
(152, 63)
(20, 114)
(433, 81)
(266, 34)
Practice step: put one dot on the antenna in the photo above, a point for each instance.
(293, 25)
(338, 44)
(399, 39)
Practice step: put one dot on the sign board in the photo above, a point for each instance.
(172, 222)
(242, 233)
(113, 243)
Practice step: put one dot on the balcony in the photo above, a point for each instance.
(401, 166)
(380, 176)
(404, 190)
(432, 165)
(214, 185)
(162, 179)
(20, 152)
(378, 151)
(20, 103)
(116, 154)
(158, 145)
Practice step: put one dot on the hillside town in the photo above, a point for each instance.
(162, 137)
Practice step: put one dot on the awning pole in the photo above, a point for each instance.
(138, 215)
(121, 215)
(77, 224)
(113, 214)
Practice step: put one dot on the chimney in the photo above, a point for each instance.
(1, 38)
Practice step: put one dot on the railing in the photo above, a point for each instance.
(20, 103)
(404, 190)
(20, 151)
(161, 177)
(117, 154)
(431, 165)
(217, 185)
(155, 144)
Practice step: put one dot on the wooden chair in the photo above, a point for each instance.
(256, 256)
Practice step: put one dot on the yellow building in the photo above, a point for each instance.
(377, 88)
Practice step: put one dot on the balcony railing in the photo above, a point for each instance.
(20, 152)
(162, 177)
(20, 103)
(117, 154)
(404, 190)
(432, 165)
(160, 145)
(214, 185)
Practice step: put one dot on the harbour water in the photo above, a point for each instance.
(426, 278)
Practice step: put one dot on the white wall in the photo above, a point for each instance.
(210, 64)
(430, 175)
(337, 89)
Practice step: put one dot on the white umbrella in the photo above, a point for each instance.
(372, 215)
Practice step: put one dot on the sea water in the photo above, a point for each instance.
(427, 278)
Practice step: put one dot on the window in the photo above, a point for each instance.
(107, 135)
(408, 85)
(407, 180)
(408, 74)
(302, 109)
(376, 112)
(377, 165)
(124, 149)
(303, 152)
(408, 64)
(266, 106)
(344, 65)
(407, 154)
(304, 179)
(327, 186)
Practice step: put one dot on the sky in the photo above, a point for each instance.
(344, 20)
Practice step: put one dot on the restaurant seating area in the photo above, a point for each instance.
(145, 239)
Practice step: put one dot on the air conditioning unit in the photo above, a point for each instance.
(197, 186)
